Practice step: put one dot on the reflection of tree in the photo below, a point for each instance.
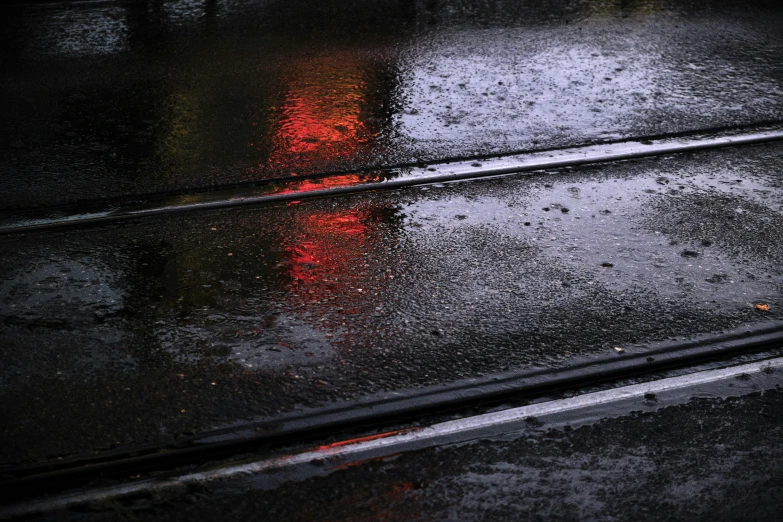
(146, 25)
(516, 12)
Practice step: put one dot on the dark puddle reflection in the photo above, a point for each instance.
(116, 98)
(168, 330)
(147, 332)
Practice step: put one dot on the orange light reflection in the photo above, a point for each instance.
(309, 185)
(348, 442)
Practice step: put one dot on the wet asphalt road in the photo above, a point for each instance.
(148, 331)
(144, 332)
(113, 98)
(709, 459)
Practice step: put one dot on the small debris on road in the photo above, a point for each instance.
(764, 307)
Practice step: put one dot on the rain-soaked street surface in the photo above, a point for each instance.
(114, 98)
(141, 337)
(710, 459)
(143, 332)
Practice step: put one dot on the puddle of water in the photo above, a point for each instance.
(185, 95)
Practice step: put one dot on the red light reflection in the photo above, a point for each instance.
(313, 122)
(322, 250)
(309, 185)
(327, 114)
(323, 115)
(348, 442)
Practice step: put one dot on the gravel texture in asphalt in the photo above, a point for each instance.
(145, 332)
(711, 458)
(113, 98)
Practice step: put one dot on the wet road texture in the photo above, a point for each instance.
(137, 333)
(108, 99)
(711, 458)
(147, 331)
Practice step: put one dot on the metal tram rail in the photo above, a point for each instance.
(393, 418)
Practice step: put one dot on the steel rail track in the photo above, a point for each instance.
(392, 409)
(322, 459)
(401, 407)
(291, 189)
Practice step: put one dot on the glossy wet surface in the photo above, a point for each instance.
(297, 188)
(708, 459)
(145, 332)
(106, 99)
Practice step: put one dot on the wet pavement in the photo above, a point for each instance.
(708, 454)
(115, 98)
(146, 332)
(150, 333)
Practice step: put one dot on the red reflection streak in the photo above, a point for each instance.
(322, 112)
(321, 117)
(313, 124)
(309, 185)
(327, 246)
(328, 447)
(357, 463)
